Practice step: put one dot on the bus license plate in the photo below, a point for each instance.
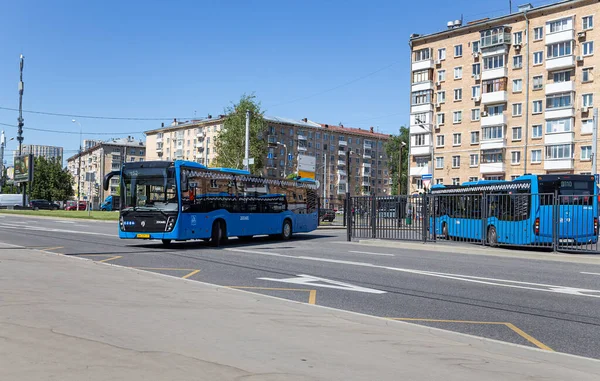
(566, 240)
(143, 236)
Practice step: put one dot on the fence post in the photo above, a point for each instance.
(423, 215)
(555, 222)
(484, 210)
(433, 226)
(373, 217)
(318, 211)
(348, 217)
(346, 203)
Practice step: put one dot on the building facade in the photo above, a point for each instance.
(48, 152)
(286, 139)
(89, 167)
(497, 98)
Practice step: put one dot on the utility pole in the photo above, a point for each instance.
(247, 147)
(402, 144)
(79, 170)
(20, 122)
(2, 145)
(595, 143)
(325, 181)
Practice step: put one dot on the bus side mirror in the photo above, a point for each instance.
(106, 180)
(184, 182)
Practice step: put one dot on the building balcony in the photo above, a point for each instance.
(417, 129)
(159, 149)
(557, 113)
(559, 138)
(558, 164)
(500, 72)
(365, 183)
(366, 164)
(199, 145)
(342, 153)
(366, 155)
(420, 150)
(301, 137)
(560, 63)
(493, 143)
(490, 168)
(493, 120)
(342, 143)
(201, 134)
(272, 140)
(341, 162)
(341, 172)
(341, 181)
(159, 140)
(418, 171)
(421, 86)
(563, 35)
(560, 87)
(301, 149)
(426, 107)
(494, 50)
(494, 97)
(367, 146)
(422, 65)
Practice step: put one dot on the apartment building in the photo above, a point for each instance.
(99, 160)
(48, 152)
(497, 98)
(286, 138)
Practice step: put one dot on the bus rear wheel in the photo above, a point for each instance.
(166, 242)
(445, 231)
(219, 233)
(492, 236)
(286, 230)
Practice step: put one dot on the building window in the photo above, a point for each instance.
(492, 132)
(559, 151)
(421, 76)
(458, 72)
(439, 181)
(517, 85)
(518, 38)
(559, 100)
(441, 75)
(420, 97)
(458, 50)
(559, 25)
(517, 62)
(515, 157)
(537, 107)
(517, 109)
(456, 139)
(474, 137)
(588, 100)
(475, 114)
(455, 161)
(586, 74)
(439, 162)
(493, 85)
(440, 118)
(476, 69)
(538, 58)
(420, 140)
(475, 92)
(586, 152)
(473, 179)
(588, 48)
(475, 46)
(538, 33)
(562, 76)
(441, 97)
(536, 156)
(517, 133)
(587, 22)
(495, 110)
(559, 49)
(587, 126)
(538, 82)
(492, 156)
(455, 181)
(474, 160)
(493, 62)
(457, 116)
(442, 54)
(559, 125)
(439, 140)
(457, 95)
(422, 54)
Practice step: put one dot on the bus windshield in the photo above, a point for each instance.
(149, 188)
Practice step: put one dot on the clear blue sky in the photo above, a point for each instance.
(156, 59)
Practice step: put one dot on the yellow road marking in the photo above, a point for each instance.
(111, 258)
(92, 255)
(312, 294)
(511, 326)
(164, 268)
(191, 274)
(53, 248)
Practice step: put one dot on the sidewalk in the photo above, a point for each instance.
(71, 319)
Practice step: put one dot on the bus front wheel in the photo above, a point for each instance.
(166, 242)
(286, 230)
(492, 236)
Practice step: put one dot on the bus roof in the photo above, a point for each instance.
(230, 170)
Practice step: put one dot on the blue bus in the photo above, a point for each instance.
(530, 210)
(184, 200)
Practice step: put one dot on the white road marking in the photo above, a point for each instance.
(465, 278)
(5, 226)
(369, 253)
(19, 222)
(313, 281)
(64, 222)
(583, 272)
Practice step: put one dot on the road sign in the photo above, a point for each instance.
(249, 162)
(270, 155)
(313, 281)
(426, 177)
(290, 157)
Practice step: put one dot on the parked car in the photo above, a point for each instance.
(327, 215)
(43, 204)
(73, 205)
(11, 200)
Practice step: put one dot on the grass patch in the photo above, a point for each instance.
(83, 214)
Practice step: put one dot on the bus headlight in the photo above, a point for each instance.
(170, 224)
(121, 224)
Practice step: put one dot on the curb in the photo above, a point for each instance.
(60, 218)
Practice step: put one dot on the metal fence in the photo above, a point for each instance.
(551, 221)
(332, 211)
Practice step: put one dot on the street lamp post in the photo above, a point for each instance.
(399, 182)
(79, 170)
(285, 162)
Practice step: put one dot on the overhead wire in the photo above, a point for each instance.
(74, 132)
(90, 116)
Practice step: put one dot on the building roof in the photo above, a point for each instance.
(495, 21)
(356, 131)
(119, 142)
(292, 122)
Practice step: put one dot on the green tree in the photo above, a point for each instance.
(230, 143)
(51, 181)
(392, 148)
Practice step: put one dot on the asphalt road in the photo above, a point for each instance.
(547, 304)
